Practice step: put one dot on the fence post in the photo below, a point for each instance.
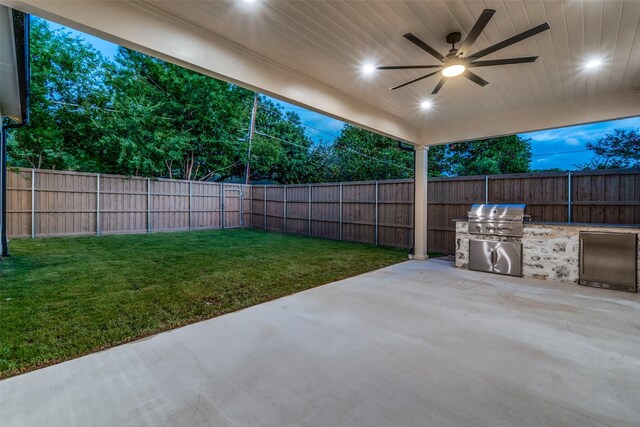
(284, 226)
(148, 205)
(340, 211)
(486, 189)
(189, 205)
(264, 218)
(309, 209)
(251, 207)
(222, 197)
(241, 206)
(376, 236)
(33, 204)
(98, 204)
(569, 198)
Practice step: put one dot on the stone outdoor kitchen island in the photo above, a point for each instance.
(550, 251)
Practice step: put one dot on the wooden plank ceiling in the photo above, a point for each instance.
(330, 41)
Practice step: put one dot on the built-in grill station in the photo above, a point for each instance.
(495, 255)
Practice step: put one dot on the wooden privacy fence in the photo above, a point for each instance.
(379, 213)
(56, 203)
(382, 212)
(59, 203)
(606, 197)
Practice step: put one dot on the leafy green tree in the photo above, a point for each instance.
(360, 155)
(506, 154)
(170, 121)
(281, 150)
(68, 97)
(619, 149)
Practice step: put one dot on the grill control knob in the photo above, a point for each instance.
(478, 228)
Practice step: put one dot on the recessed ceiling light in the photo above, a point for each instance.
(593, 63)
(368, 68)
(426, 104)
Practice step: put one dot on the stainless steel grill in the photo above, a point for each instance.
(502, 257)
(498, 220)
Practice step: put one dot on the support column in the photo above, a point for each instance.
(420, 203)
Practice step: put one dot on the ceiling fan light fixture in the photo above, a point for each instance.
(594, 63)
(453, 69)
(368, 68)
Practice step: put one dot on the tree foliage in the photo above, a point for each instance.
(506, 154)
(138, 115)
(360, 155)
(170, 121)
(619, 149)
(281, 150)
(67, 97)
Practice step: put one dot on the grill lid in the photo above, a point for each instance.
(504, 212)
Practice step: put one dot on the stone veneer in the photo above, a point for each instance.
(549, 251)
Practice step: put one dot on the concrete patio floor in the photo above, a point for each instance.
(418, 343)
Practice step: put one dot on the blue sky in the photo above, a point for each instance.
(556, 148)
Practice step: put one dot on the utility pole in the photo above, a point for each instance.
(252, 126)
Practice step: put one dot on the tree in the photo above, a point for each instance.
(281, 150)
(506, 154)
(174, 122)
(171, 121)
(143, 116)
(68, 97)
(360, 155)
(620, 149)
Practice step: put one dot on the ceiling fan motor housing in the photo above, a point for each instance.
(453, 38)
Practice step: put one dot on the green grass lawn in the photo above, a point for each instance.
(65, 297)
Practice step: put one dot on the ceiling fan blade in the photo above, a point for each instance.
(414, 80)
(422, 45)
(508, 42)
(406, 67)
(475, 78)
(508, 61)
(482, 22)
(438, 86)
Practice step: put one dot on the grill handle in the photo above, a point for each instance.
(494, 257)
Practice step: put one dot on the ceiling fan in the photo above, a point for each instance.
(458, 61)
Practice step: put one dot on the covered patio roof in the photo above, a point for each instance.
(311, 53)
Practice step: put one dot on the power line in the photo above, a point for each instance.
(303, 124)
(338, 145)
(257, 132)
(110, 110)
(559, 152)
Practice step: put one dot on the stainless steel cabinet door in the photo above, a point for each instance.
(496, 257)
(608, 260)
